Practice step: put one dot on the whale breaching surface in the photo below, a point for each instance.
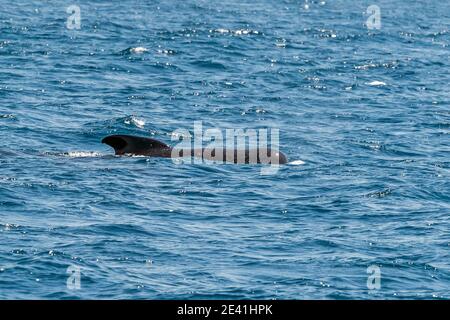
(142, 146)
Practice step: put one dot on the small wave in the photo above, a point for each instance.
(6, 153)
(7, 116)
(135, 50)
(370, 144)
(135, 121)
(379, 194)
(281, 43)
(238, 32)
(209, 64)
(386, 65)
(8, 226)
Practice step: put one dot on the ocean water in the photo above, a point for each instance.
(361, 212)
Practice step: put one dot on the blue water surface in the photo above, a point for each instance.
(363, 114)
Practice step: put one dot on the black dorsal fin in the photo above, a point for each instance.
(126, 144)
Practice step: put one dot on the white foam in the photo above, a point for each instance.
(376, 83)
(221, 30)
(242, 32)
(135, 155)
(135, 121)
(297, 163)
(82, 154)
(138, 50)
(281, 44)
(238, 32)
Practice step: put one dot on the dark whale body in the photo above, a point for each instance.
(133, 145)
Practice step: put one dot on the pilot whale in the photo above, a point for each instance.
(143, 146)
